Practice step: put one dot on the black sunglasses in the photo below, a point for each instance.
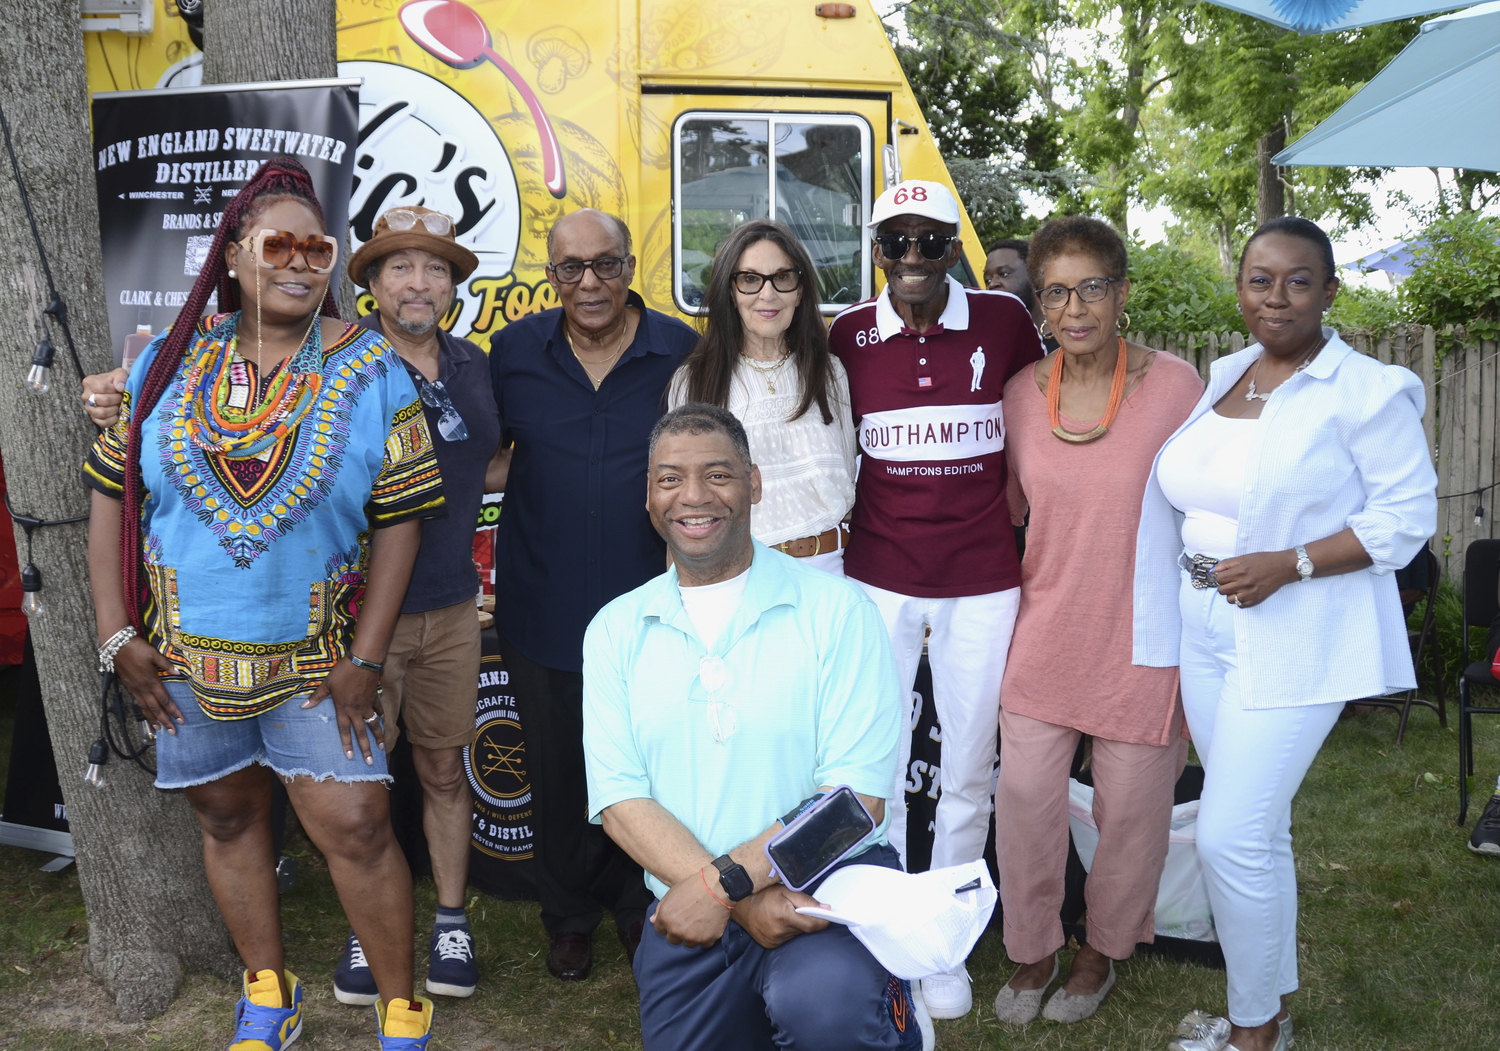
(450, 424)
(749, 283)
(932, 244)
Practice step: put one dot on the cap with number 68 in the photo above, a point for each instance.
(914, 197)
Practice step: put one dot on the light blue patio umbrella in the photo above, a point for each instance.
(1329, 16)
(1437, 105)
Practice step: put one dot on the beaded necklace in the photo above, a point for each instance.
(226, 411)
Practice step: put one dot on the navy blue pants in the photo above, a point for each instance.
(818, 992)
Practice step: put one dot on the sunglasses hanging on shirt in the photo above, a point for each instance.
(434, 395)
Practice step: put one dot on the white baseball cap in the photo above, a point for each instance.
(914, 197)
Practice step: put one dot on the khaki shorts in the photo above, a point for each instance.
(432, 675)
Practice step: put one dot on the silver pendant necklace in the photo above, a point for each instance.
(1253, 395)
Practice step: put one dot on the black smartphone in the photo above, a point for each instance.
(818, 840)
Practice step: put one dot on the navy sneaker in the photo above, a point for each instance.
(451, 967)
(909, 1016)
(353, 984)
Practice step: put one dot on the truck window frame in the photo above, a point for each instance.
(773, 118)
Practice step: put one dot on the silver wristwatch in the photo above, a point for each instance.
(1304, 564)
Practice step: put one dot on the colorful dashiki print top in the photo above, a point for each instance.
(256, 563)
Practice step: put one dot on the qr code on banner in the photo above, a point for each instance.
(197, 254)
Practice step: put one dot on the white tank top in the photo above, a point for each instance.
(1202, 473)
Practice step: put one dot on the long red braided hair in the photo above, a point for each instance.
(280, 178)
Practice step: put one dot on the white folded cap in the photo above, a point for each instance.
(915, 924)
(914, 197)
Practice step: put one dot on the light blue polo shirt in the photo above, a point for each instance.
(807, 672)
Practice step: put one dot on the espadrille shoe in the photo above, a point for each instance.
(1065, 1007)
(1017, 1007)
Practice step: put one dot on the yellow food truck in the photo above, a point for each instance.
(685, 117)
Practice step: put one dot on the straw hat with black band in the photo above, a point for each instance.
(387, 239)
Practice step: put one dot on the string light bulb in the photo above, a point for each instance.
(31, 591)
(98, 756)
(39, 378)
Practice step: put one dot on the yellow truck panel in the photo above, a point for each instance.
(685, 117)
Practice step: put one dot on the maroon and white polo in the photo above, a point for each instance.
(930, 514)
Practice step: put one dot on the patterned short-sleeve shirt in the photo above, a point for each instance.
(256, 564)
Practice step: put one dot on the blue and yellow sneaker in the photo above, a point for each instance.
(406, 1025)
(260, 1022)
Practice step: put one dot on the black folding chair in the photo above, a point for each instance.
(1481, 580)
(1424, 646)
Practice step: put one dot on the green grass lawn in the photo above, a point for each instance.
(1399, 929)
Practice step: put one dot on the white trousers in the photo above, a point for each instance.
(1253, 763)
(967, 651)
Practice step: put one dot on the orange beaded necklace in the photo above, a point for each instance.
(1054, 400)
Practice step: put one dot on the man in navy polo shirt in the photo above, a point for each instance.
(579, 389)
(931, 541)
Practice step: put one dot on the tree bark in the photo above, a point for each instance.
(248, 41)
(139, 851)
(1270, 194)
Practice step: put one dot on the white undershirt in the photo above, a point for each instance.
(709, 606)
(1202, 473)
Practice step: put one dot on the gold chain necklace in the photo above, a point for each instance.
(608, 362)
(766, 370)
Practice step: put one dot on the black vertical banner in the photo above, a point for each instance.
(166, 162)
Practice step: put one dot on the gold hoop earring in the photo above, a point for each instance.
(1124, 321)
(1045, 329)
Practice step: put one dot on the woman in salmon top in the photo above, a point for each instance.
(1082, 428)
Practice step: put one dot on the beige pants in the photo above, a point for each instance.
(1133, 808)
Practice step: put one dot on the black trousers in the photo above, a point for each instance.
(579, 870)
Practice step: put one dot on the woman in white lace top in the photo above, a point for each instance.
(764, 356)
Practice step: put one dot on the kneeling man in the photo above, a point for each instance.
(717, 698)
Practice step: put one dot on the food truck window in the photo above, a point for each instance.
(811, 171)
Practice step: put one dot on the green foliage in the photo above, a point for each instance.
(1456, 279)
(1360, 308)
(1172, 290)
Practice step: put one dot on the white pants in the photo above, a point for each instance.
(828, 562)
(1253, 762)
(967, 651)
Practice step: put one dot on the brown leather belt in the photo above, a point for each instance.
(822, 544)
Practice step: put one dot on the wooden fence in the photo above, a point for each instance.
(1462, 378)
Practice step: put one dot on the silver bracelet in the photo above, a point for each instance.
(113, 645)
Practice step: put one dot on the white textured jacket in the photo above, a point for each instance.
(1340, 445)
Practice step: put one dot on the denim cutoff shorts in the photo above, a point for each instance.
(291, 740)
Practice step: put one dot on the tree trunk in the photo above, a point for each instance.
(140, 855)
(247, 41)
(1270, 194)
(1224, 239)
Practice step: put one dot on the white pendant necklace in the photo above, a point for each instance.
(1253, 395)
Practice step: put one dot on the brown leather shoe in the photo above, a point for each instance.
(570, 957)
(631, 939)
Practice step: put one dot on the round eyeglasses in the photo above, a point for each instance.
(605, 268)
(749, 283)
(403, 219)
(1055, 297)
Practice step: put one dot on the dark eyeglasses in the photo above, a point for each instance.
(403, 219)
(605, 268)
(1090, 291)
(932, 244)
(749, 283)
(275, 249)
(435, 396)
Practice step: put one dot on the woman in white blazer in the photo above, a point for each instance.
(1271, 527)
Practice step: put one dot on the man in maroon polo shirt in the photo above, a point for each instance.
(931, 541)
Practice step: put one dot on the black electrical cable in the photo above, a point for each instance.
(114, 704)
(54, 307)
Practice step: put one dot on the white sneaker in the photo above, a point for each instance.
(948, 995)
(924, 1023)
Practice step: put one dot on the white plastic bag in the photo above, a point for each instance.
(1182, 908)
